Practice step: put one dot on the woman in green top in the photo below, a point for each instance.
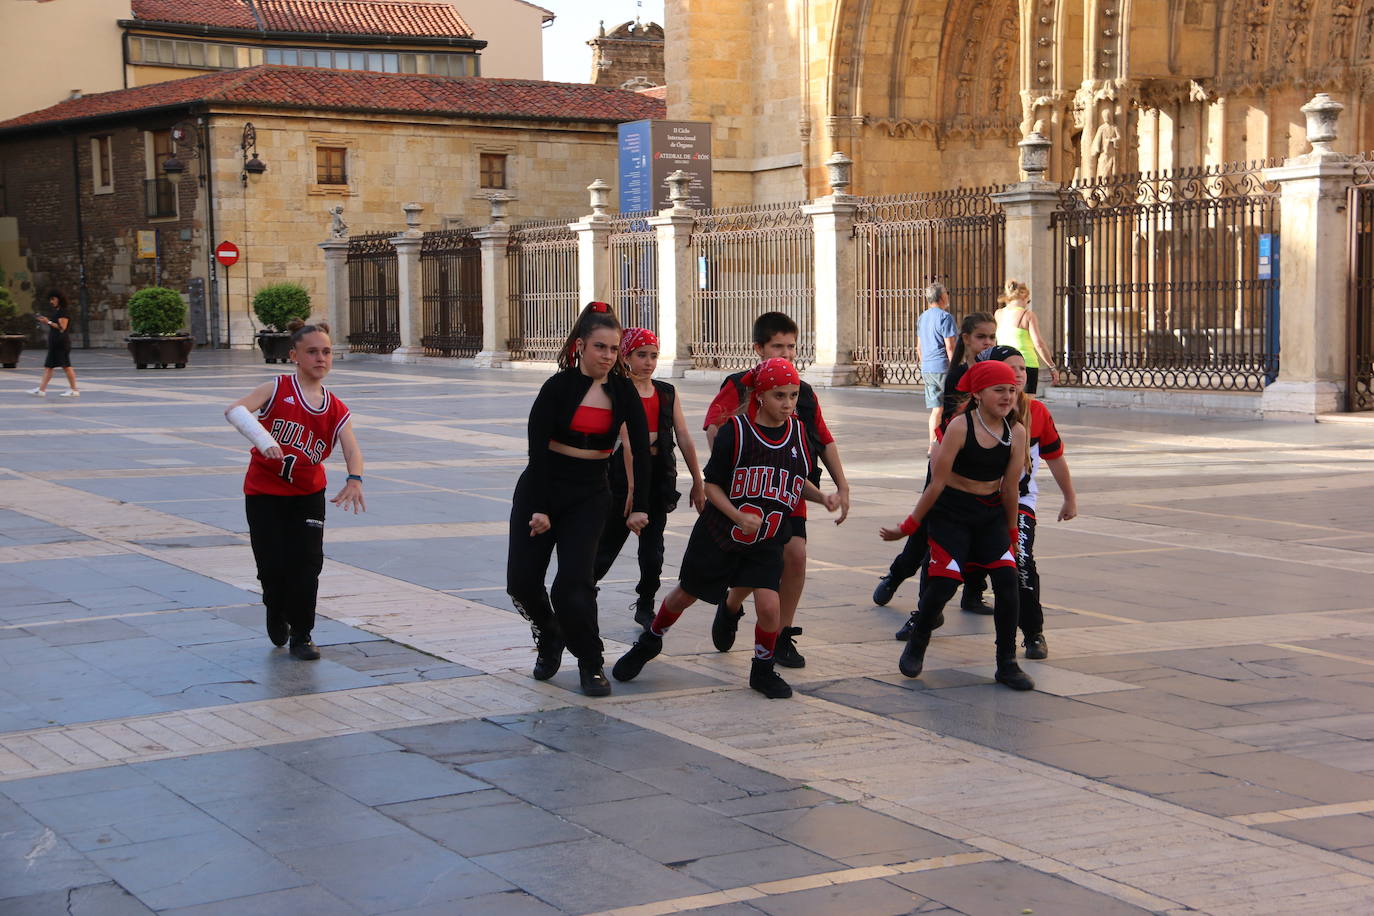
(1017, 327)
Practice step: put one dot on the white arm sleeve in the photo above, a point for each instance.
(252, 430)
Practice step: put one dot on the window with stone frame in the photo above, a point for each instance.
(102, 164)
(331, 165)
(160, 189)
(493, 171)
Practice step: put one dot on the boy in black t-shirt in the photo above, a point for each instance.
(756, 477)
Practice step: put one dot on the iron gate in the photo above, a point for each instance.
(751, 260)
(542, 259)
(451, 293)
(1158, 279)
(906, 242)
(374, 311)
(633, 247)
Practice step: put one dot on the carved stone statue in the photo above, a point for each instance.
(1342, 15)
(338, 229)
(1105, 147)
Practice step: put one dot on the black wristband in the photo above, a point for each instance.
(355, 477)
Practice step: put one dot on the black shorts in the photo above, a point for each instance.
(798, 526)
(709, 571)
(59, 356)
(967, 531)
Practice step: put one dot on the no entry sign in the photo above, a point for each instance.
(227, 254)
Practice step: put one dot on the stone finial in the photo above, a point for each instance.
(1035, 155)
(1322, 112)
(840, 169)
(600, 194)
(678, 183)
(499, 203)
(412, 211)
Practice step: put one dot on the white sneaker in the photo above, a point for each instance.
(70, 393)
(38, 392)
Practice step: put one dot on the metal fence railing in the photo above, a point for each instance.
(906, 242)
(1159, 281)
(451, 293)
(542, 264)
(633, 247)
(374, 313)
(751, 260)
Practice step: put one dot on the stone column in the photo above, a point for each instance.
(832, 221)
(336, 292)
(494, 240)
(1314, 259)
(676, 276)
(408, 292)
(1029, 252)
(593, 252)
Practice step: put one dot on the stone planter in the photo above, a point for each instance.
(275, 346)
(161, 352)
(11, 345)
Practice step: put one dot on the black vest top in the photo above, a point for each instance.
(977, 463)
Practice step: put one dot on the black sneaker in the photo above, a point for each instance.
(974, 604)
(887, 587)
(785, 651)
(278, 630)
(1036, 648)
(549, 659)
(766, 681)
(304, 649)
(647, 646)
(1010, 673)
(724, 626)
(905, 631)
(644, 612)
(913, 657)
(594, 683)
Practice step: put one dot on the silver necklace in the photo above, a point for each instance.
(979, 414)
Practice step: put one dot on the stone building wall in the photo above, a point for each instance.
(633, 51)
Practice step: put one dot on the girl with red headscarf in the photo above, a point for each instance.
(756, 477)
(969, 510)
(667, 425)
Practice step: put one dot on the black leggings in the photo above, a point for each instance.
(1031, 616)
(287, 533)
(577, 509)
(613, 538)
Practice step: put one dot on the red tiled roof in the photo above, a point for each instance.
(418, 18)
(346, 90)
(654, 92)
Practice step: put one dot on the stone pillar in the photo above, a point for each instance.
(593, 251)
(832, 221)
(494, 240)
(1029, 253)
(408, 292)
(1314, 260)
(336, 292)
(676, 277)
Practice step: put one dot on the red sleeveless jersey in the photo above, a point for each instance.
(306, 434)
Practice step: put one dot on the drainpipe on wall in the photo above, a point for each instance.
(208, 191)
(84, 296)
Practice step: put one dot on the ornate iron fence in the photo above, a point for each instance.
(374, 312)
(542, 258)
(751, 260)
(451, 293)
(634, 270)
(1159, 283)
(1359, 387)
(906, 242)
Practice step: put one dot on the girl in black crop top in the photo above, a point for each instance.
(562, 499)
(969, 512)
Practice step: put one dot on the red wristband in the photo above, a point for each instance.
(908, 526)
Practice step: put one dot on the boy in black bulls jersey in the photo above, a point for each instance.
(755, 479)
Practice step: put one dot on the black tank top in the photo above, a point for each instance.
(977, 463)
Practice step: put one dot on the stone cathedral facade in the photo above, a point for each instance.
(931, 94)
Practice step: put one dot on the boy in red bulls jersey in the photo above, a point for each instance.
(294, 422)
(775, 336)
(756, 477)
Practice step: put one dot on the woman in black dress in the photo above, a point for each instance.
(59, 347)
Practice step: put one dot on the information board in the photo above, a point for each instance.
(650, 151)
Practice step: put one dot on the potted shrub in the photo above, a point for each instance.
(275, 306)
(13, 327)
(157, 318)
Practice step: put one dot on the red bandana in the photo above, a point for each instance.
(772, 373)
(634, 338)
(985, 375)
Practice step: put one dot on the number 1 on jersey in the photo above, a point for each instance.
(766, 530)
(288, 462)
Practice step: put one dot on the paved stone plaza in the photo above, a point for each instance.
(1199, 741)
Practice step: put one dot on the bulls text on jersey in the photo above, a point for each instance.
(767, 482)
(295, 435)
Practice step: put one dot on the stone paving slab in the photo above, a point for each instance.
(1200, 742)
